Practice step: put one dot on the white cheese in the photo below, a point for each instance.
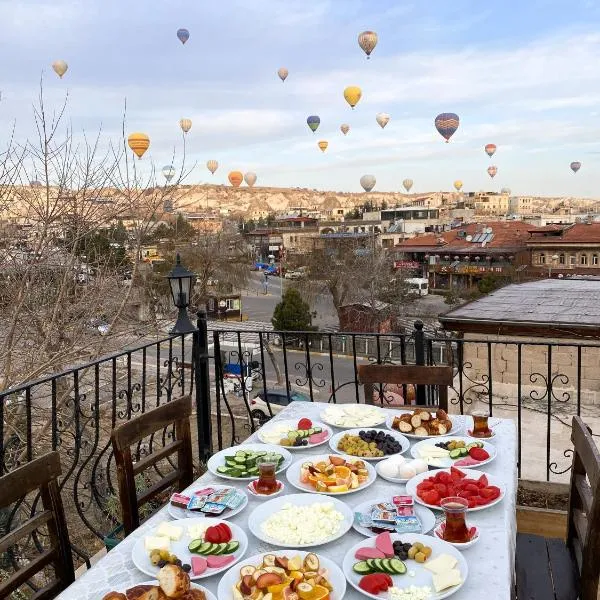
(433, 452)
(410, 593)
(353, 415)
(197, 531)
(273, 434)
(156, 542)
(441, 564)
(442, 581)
(171, 531)
(303, 524)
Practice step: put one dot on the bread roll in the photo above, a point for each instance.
(194, 594)
(144, 592)
(114, 596)
(174, 581)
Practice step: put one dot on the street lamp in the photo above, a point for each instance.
(181, 282)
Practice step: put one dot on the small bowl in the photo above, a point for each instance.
(253, 492)
(438, 531)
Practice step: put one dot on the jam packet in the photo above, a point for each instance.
(233, 500)
(180, 501)
(383, 516)
(404, 505)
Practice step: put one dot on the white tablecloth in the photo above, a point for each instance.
(491, 560)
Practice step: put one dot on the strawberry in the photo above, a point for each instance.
(304, 424)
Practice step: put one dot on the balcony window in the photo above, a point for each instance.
(572, 260)
(595, 260)
(542, 259)
(561, 259)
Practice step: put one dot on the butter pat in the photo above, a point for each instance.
(442, 581)
(156, 542)
(441, 564)
(170, 531)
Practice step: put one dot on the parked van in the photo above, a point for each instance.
(418, 286)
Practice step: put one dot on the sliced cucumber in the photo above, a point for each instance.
(371, 563)
(204, 547)
(463, 451)
(379, 564)
(397, 566)
(194, 545)
(456, 453)
(223, 469)
(232, 547)
(317, 430)
(362, 568)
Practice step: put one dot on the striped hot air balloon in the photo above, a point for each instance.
(250, 178)
(313, 121)
(212, 166)
(323, 145)
(407, 183)
(490, 149)
(368, 182)
(185, 124)
(235, 178)
(367, 40)
(168, 172)
(492, 171)
(447, 124)
(345, 128)
(139, 143)
(283, 73)
(575, 166)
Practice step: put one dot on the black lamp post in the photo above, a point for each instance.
(181, 282)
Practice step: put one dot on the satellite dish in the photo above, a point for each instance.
(488, 230)
(469, 238)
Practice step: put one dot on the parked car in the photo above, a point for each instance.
(294, 275)
(277, 399)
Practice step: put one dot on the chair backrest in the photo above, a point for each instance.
(175, 413)
(39, 474)
(583, 529)
(440, 377)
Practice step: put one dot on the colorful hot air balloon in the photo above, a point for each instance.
(368, 182)
(212, 166)
(185, 124)
(407, 183)
(367, 40)
(447, 124)
(183, 35)
(490, 149)
(235, 178)
(575, 166)
(60, 67)
(139, 143)
(492, 171)
(283, 73)
(345, 128)
(323, 145)
(168, 172)
(313, 122)
(458, 185)
(250, 178)
(352, 94)
(383, 119)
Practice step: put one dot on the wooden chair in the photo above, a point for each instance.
(177, 413)
(548, 568)
(40, 474)
(439, 377)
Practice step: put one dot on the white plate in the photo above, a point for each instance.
(425, 515)
(386, 477)
(184, 513)
(334, 441)
(438, 533)
(263, 511)
(218, 459)
(293, 474)
(422, 576)
(284, 427)
(350, 416)
(141, 558)
(231, 578)
(411, 486)
(209, 595)
(456, 425)
(446, 461)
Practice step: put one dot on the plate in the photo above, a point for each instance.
(336, 576)
(411, 487)
(334, 441)
(446, 462)
(268, 430)
(266, 509)
(438, 533)
(422, 576)
(209, 595)
(184, 513)
(457, 425)
(426, 516)
(252, 491)
(141, 558)
(350, 416)
(218, 459)
(293, 475)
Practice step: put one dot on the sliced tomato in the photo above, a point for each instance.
(441, 489)
(471, 487)
(444, 477)
(472, 502)
(424, 486)
(465, 494)
(482, 481)
(454, 472)
(431, 497)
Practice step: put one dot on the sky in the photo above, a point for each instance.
(522, 75)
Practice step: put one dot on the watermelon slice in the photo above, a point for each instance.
(216, 562)
(366, 553)
(199, 565)
(383, 542)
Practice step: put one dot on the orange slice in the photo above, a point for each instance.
(320, 593)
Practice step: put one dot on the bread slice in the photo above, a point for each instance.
(143, 592)
(114, 596)
(174, 581)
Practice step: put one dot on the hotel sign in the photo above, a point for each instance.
(406, 264)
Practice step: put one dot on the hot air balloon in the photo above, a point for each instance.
(447, 124)
(283, 73)
(383, 119)
(60, 67)
(212, 166)
(345, 128)
(250, 178)
(458, 185)
(313, 122)
(575, 166)
(352, 94)
(139, 143)
(235, 178)
(407, 183)
(185, 124)
(492, 171)
(183, 35)
(368, 182)
(367, 40)
(490, 149)
(168, 172)
(323, 145)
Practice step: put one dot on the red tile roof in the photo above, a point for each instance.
(580, 233)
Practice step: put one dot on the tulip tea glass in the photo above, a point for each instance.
(455, 529)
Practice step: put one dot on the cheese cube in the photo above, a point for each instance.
(170, 531)
(441, 564)
(442, 581)
(156, 542)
